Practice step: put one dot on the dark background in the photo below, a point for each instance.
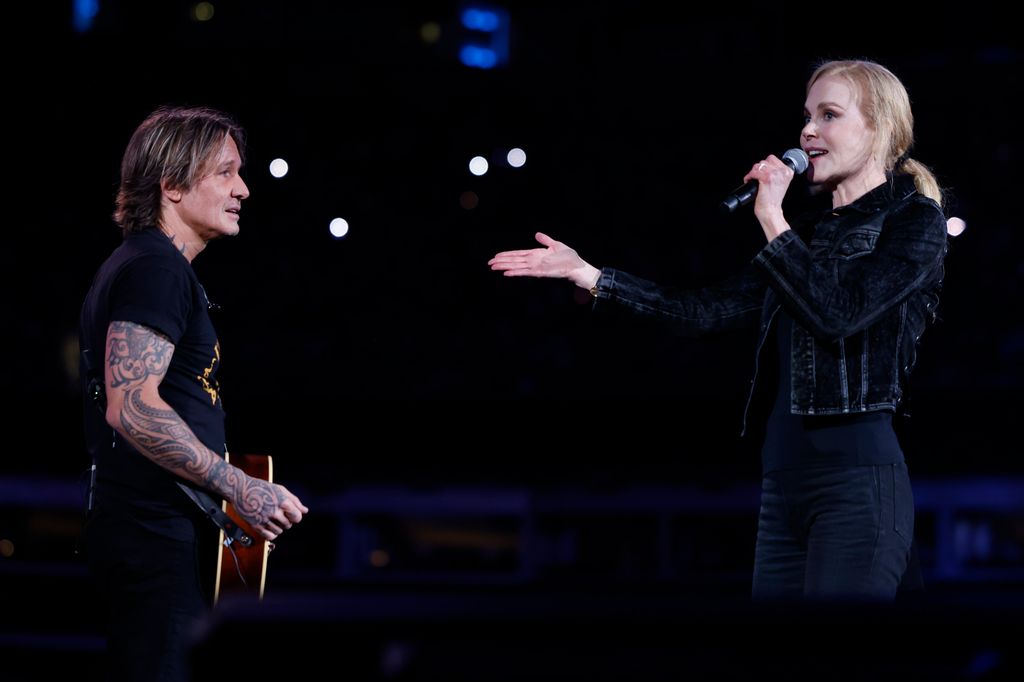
(394, 357)
(636, 120)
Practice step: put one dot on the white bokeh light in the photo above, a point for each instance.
(516, 157)
(478, 165)
(279, 168)
(339, 227)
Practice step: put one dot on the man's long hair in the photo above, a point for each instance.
(174, 146)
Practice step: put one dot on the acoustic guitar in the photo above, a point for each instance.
(241, 568)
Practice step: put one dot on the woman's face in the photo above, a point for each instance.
(836, 136)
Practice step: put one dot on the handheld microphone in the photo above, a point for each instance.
(741, 196)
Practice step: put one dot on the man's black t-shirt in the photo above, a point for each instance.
(148, 282)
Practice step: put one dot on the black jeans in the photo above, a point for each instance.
(834, 533)
(153, 588)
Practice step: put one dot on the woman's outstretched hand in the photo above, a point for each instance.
(554, 260)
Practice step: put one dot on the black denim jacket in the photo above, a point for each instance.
(860, 293)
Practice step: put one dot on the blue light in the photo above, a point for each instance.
(484, 43)
(84, 11)
(476, 19)
(478, 57)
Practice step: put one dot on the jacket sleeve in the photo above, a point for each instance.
(732, 304)
(834, 297)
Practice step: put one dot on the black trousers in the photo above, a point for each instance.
(155, 592)
(834, 533)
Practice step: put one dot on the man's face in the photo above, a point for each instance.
(211, 208)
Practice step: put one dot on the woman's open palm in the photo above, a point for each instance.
(554, 260)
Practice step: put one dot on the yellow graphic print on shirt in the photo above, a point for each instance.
(209, 383)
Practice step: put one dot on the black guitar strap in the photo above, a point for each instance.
(97, 394)
(232, 531)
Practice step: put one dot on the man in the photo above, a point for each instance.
(157, 418)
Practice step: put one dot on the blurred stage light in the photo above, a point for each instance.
(430, 32)
(339, 227)
(478, 57)
(83, 12)
(469, 200)
(516, 157)
(202, 11)
(279, 168)
(486, 40)
(478, 165)
(478, 19)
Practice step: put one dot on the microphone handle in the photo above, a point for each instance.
(744, 194)
(741, 196)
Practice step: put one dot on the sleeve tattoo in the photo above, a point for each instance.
(137, 354)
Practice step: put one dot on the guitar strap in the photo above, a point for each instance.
(232, 531)
(211, 508)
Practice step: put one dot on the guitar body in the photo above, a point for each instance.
(249, 575)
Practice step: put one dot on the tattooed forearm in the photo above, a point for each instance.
(160, 434)
(137, 360)
(135, 352)
(257, 500)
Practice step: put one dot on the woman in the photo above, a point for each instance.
(841, 315)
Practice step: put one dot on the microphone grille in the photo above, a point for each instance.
(797, 158)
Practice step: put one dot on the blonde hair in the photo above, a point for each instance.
(885, 104)
(173, 145)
